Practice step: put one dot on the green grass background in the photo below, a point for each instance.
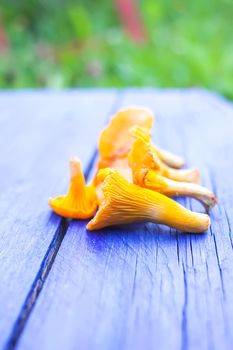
(82, 43)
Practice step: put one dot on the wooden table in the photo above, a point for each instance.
(141, 286)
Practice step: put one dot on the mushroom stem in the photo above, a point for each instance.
(183, 175)
(170, 158)
(173, 188)
(126, 203)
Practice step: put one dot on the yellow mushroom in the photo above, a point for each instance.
(81, 201)
(169, 158)
(147, 173)
(115, 140)
(143, 148)
(126, 203)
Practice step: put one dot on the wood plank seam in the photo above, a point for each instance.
(184, 331)
(50, 256)
(37, 284)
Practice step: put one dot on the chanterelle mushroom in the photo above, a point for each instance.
(143, 148)
(125, 202)
(147, 173)
(81, 201)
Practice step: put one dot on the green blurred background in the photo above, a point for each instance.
(48, 43)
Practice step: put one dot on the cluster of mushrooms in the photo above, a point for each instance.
(134, 181)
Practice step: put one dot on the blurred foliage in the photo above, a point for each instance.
(81, 43)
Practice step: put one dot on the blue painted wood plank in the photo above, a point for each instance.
(39, 132)
(146, 286)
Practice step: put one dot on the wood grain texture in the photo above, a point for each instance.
(40, 131)
(144, 286)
